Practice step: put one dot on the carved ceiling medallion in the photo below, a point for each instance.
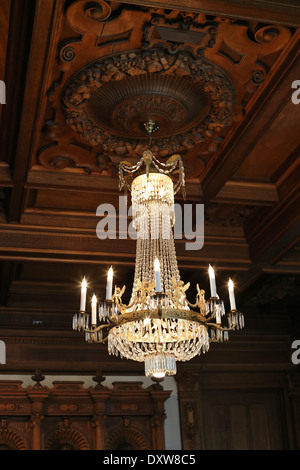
(108, 101)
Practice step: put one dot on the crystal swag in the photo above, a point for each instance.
(183, 222)
(2, 92)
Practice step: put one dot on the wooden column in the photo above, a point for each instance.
(99, 395)
(190, 410)
(158, 434)
(99, 435)
(159, 396)
(36, 431)
(37, 395)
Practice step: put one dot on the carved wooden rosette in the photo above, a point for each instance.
(109, 100)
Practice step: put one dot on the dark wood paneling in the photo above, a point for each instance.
(243, 420)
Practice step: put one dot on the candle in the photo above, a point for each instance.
(83, 295)
(213, 289)
(231, 295)
(94, 310)
(157, 275)
(109, 283)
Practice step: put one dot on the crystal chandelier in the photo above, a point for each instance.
(159, 326)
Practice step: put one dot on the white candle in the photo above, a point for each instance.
(157, 275)
(94, 310)
(231, 295)
(213, 289)
(109, 283)
(83, 295)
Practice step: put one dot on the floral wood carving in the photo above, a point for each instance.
(212, 84)
(180, 30)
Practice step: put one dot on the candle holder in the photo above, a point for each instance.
(215, 307)
(160, 301)
(95, 335)
(81, 321)
(108, 311)
(236, 320)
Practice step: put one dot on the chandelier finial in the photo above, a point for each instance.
(151, 127)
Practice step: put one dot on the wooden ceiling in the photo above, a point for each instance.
(60, 148)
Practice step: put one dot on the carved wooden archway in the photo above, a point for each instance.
(127, 439)
(69, 416)
(66, 439)
(9, 440)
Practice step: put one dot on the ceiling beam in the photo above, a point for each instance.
(13, 71)
(69, 246)
(47, 17)
(245, 192)
(268, 227)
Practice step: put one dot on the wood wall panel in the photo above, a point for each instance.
(259, 427)
(239, 420)
(244, 410)
(239, 428)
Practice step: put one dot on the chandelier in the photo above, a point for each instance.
(159, 326)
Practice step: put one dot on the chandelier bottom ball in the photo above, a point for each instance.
(160, 365)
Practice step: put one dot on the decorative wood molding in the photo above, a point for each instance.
(283, 12)
(69, 416)
(10, 440)
(127, 439)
